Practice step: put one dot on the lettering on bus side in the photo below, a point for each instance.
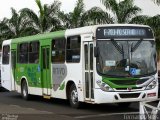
(59, 73)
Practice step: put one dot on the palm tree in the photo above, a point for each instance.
(141, 19)
(12, 28)
(98, 16)
(153, 22)
(79, 17)
(123, 11)
(156, 1)
(47, 19)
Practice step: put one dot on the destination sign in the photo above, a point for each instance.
(123, 32)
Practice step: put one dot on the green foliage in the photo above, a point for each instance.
(46, 21)
(79, 17)
(122, 11)
(156, 1)
(98, 16)
(73, 19)
(154, 23)
(13, 27)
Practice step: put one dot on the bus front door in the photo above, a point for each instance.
(46, 75)
(88, 71)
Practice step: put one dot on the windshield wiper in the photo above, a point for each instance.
(118, 47)
(133, 48)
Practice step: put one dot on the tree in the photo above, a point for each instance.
(13, 27)
(98, 16)
(156, 1)
(47, 19)
(141, 19)
(122, 11)
(153, 22)
(79, 17)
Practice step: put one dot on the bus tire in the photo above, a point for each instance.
(73, 97)
(24, 91)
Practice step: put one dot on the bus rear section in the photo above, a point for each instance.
(7, 80)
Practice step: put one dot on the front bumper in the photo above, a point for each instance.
(129, 96)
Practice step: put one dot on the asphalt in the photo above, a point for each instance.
(13, 107)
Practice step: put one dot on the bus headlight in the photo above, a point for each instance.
(104, 86)
(151, 85)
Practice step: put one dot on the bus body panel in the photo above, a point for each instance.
(33, 72)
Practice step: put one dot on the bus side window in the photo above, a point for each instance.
(73, 49)
(5, 58)
(58, 50)
(23, 53)
(34, 52)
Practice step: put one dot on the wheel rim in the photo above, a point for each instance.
(74, 96)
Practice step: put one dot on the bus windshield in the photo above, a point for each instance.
(126, 58)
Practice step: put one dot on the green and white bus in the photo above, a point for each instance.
(114, 63)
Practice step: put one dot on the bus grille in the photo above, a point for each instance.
(124, 82)
(130, 95)
(133, 88)
(128, 82)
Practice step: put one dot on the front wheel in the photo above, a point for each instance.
(24, 91)
(73, 97)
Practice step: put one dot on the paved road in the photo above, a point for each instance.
(12, 106)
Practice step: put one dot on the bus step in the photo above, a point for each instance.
(46, 96)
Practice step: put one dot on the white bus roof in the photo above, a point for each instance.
(92, 29)
(6, 42)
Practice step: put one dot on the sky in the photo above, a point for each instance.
(148, 7)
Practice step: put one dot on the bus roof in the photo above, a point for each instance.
(6, 42)
(40, 36)
(92, 29)
(69, 32)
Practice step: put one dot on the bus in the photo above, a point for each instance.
(113, 63)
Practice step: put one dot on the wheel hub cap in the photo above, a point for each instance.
(74, 96)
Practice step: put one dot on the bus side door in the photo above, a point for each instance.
(46, 82)
(88, 71)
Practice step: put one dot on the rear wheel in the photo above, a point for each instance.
(73, 97)
(24, 91)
